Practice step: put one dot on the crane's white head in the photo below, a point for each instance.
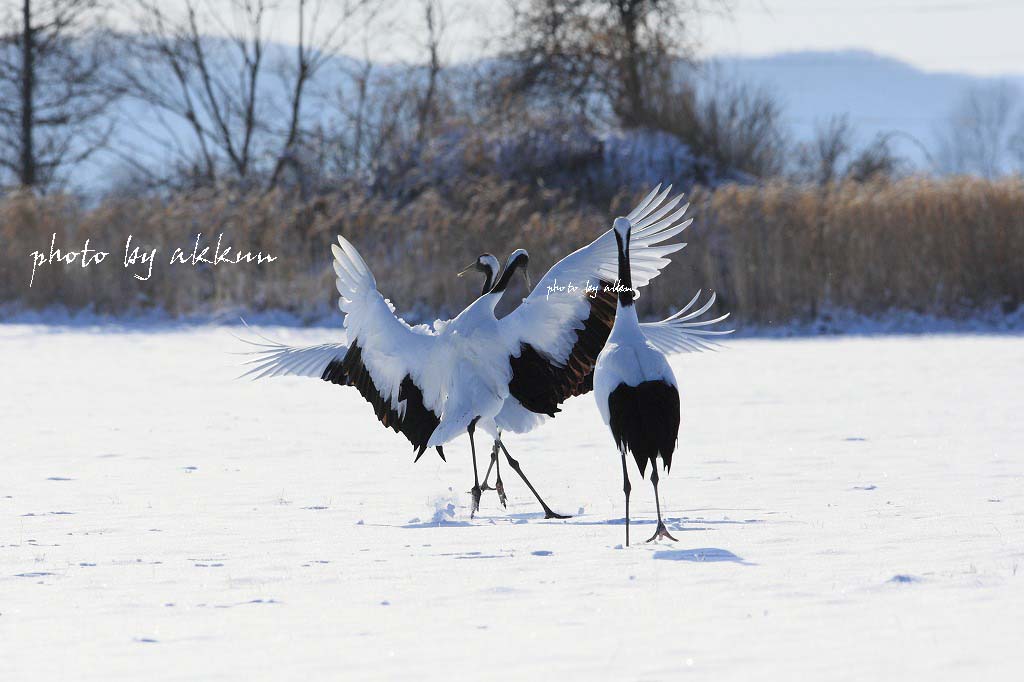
(522, 260)
(486, 264)
(516, 260)
(622, 226)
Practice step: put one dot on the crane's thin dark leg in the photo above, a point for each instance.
(496, 464)
(498, 485)
(625, 489)
(476, 477)
(662, 532)
(494, 458)
(548, 514)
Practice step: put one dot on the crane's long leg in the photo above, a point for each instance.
(496, 465)
(476, 477)
(625, 489)
(494, 458)
(662, 532)
(498, 485)
(548, 514)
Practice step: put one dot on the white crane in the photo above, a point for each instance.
(543, 352)
(430, 384)
(332, 362)
(634, 386)
(434, 384)
(685, 336)
(557, 333)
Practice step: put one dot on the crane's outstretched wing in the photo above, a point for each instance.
(400, 370)
(555, 336)
(683, 332)
(273, 359)
(395, 367)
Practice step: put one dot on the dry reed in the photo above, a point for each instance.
(774, 253)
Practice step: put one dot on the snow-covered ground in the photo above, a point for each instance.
(846, 508)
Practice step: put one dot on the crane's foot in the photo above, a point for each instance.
(548, 514)
(662, 532)
(476, 500)
(500, 487)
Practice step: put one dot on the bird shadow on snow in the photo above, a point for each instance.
(705, 555)
(438, 524)
(675, 523)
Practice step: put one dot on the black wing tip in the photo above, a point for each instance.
(423, 448)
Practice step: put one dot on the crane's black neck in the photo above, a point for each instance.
(625, 283)
(488, 279)
(506, 276)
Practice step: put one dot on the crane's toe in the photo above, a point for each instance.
(662, 532)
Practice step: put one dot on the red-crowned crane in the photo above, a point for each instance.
(634, 386)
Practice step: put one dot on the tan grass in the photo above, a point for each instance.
(774, 253)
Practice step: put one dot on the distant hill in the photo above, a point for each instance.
(880, 94)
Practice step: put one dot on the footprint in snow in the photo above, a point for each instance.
(903, 578)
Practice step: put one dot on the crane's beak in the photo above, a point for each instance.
(467, 268)
(529, 284)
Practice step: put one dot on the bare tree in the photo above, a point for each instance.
(876, 160)
(209, 85)
(54, 55)
(832, 155)
(978, 131)
(216, 86)
(732, 126)
(632, 61)
(574, 49)
(387, 115)
(822, 159)
(318, 39)
(434, 21)
(1017, 145)
(738, 127)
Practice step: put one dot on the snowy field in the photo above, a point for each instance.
(846, 508)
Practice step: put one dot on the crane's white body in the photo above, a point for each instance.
(628, 358)
(472, 351)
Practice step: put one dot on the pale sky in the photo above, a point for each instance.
(982, 37)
